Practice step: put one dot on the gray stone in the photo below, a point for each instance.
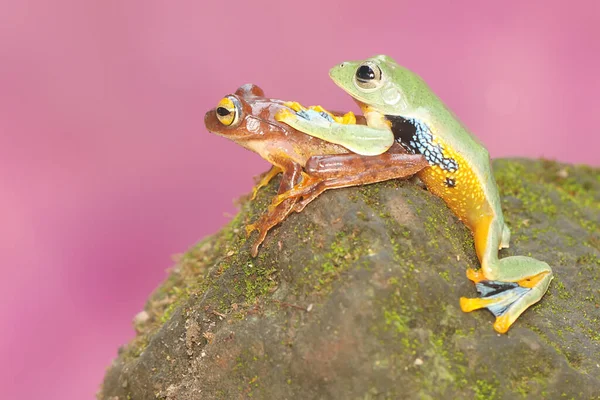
(357, 298)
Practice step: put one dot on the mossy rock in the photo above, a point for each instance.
(357, 298)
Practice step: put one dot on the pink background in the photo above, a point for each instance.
(106, 169)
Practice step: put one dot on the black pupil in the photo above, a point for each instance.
(365, 73)
(222, 111)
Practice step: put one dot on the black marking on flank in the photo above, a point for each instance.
(450, 182)
(223, 112)
(417, 138)
(402, 129)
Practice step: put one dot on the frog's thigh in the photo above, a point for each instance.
(343, 165)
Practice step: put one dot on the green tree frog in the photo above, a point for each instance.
(399, 105)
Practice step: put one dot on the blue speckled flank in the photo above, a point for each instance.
(422, 143)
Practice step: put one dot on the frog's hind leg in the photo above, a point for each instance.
(507, 286)
(280, 209)
(345, 170)
(505, 242)
(274, 215)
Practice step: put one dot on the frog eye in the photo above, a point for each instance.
(368, 76)
(228, 111)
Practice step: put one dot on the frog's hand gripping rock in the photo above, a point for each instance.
(317, 122)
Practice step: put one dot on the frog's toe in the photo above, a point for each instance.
(250, 228)
(285, 115)
(319, 109)
(294, 105)
(255, 246)
(263, 230)
(475, 275)
(262, 234)
(349, 118)
(277, 200)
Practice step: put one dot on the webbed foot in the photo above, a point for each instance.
(507, 300)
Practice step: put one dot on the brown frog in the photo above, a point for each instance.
(309, 165)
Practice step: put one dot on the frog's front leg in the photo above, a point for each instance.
(360, 139)
(507, 286)
(265, 179)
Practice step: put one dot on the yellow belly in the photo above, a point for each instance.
(460, 189)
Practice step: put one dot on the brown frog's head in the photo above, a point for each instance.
(246, 116)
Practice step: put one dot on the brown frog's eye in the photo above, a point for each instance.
(228, 111)
(368, 76)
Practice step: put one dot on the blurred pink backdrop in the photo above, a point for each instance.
(107, 169)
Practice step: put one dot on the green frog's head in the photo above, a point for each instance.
(380, 84)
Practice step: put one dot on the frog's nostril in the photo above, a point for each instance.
(342, 65)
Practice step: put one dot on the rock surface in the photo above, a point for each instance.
(357, 298)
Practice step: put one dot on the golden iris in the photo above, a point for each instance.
(227, 113)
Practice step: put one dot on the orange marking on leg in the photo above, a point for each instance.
(480, 235)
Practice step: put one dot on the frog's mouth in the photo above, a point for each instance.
(213, 125)
(364, 107)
